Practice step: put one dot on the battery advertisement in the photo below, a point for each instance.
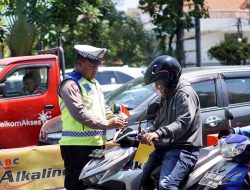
(31, 168)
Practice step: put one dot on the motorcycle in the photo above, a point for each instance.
(114, 168)
(118, 167)
(111, 168)
(232, 171)
(231, 166)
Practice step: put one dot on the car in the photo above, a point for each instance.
(219, 88)
(111, 78)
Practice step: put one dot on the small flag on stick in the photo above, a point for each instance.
(124, 111)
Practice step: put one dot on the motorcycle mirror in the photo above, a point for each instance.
(150, 113)
(228, 114)
(152, 110)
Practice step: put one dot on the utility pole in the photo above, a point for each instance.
(239, 30)
(197, 38)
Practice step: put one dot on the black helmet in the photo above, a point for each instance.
(165, 68)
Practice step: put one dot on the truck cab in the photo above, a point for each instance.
(22, 114)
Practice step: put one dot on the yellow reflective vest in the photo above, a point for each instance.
(74, 132)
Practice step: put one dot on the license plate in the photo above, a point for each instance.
(212, 180)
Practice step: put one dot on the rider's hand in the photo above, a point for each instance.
(149, 138)
(117, 122)
(225, 132)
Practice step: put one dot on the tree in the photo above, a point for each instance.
(22, 34)
(231, 51)
(171, 18)
(3, 33)
(86, 22)
(130, 42)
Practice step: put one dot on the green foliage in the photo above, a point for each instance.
(96, 23)
(129, 40)
(172, 16)
(168, 14)
(3, 31)
(21, 34)
(3, 27)
(231, 51)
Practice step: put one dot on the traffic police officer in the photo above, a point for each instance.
(85, 117)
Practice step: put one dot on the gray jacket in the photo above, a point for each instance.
(179, 118)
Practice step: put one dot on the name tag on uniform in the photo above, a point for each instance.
(88, 88)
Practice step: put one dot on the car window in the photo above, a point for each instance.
(123, 78)
(131, 94)
(238, 90)
(106, 77)
(206, 92)
(25, 81)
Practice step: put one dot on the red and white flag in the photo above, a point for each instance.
(124, 112)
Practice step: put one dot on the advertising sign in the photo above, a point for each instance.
(31, 168)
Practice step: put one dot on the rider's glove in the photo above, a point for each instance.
(225, 132)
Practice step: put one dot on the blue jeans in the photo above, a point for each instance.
(175, 164)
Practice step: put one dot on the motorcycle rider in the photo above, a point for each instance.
(178, 121)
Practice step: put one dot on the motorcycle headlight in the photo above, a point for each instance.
(231, 150)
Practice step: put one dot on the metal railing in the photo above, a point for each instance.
(230, 14)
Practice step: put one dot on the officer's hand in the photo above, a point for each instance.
(225, 132)
(150, 138)
(117, 122)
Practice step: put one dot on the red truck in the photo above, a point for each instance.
(22, 115)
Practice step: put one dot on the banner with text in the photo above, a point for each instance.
(31, 168)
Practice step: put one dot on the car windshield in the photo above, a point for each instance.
(130, 94)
